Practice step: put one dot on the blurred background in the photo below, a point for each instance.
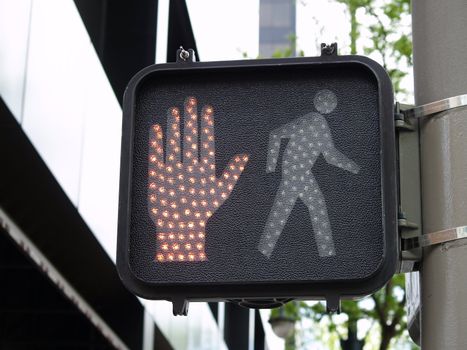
(64, 66)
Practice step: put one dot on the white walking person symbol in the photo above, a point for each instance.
(309, 136)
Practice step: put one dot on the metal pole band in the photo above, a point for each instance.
(434, 238)
(436, 107)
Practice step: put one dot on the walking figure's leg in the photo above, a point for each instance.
(283, 205)
(314, 200)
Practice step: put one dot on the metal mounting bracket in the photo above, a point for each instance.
(432, 108)
(409, 216)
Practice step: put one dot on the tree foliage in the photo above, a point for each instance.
(389, 41)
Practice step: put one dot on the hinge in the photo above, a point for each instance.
(401, 122)
(329, 50)
(185, 56)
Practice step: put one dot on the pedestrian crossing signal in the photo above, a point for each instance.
(258, 181)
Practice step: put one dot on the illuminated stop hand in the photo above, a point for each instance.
(184, 191)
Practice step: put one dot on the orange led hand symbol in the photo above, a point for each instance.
(182, 196)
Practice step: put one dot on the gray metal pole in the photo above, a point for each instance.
(440, 67)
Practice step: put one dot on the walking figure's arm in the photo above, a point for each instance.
(333, 156)
(274, 145)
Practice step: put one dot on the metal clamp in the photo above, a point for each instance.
(434, 238)
(436, 107)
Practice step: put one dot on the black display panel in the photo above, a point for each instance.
(258, 179)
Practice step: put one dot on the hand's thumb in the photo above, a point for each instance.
(233, 170)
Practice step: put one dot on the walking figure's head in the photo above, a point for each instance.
(325, 101)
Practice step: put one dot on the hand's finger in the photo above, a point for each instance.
(190, 137)
(156, 152)
(208, 156)
(230, 176)
(172, 148)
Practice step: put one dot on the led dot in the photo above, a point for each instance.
(191, 224)
(181, 188)
(232, 167)
(175, 246)
(181, 225)
(220, 184)
(203, 180)
(194, 146)
(165, 213)
(165, 246)
(194, 204)
(153, 198)
(161, 236)
(160, 223)
(208, 214)
(192, 180)
(191, 235)
(170, 256)
(204, 203)
(212, 191)
(199, 246)
(160, 257)
(192, 191)
(188, 246)
(191, 256)
(152, 186)
(176, 215)
(202, 256)
(188, 154)
(181, 257)
(202, 192)
(226, 175)
(202, 223)
(200, 235)
(223, 195)
(212, 178)
(181, 236)
(216, 203)
(164, 202)
(230, 187)
(187, 211)
(183, 200)
(171, 225)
